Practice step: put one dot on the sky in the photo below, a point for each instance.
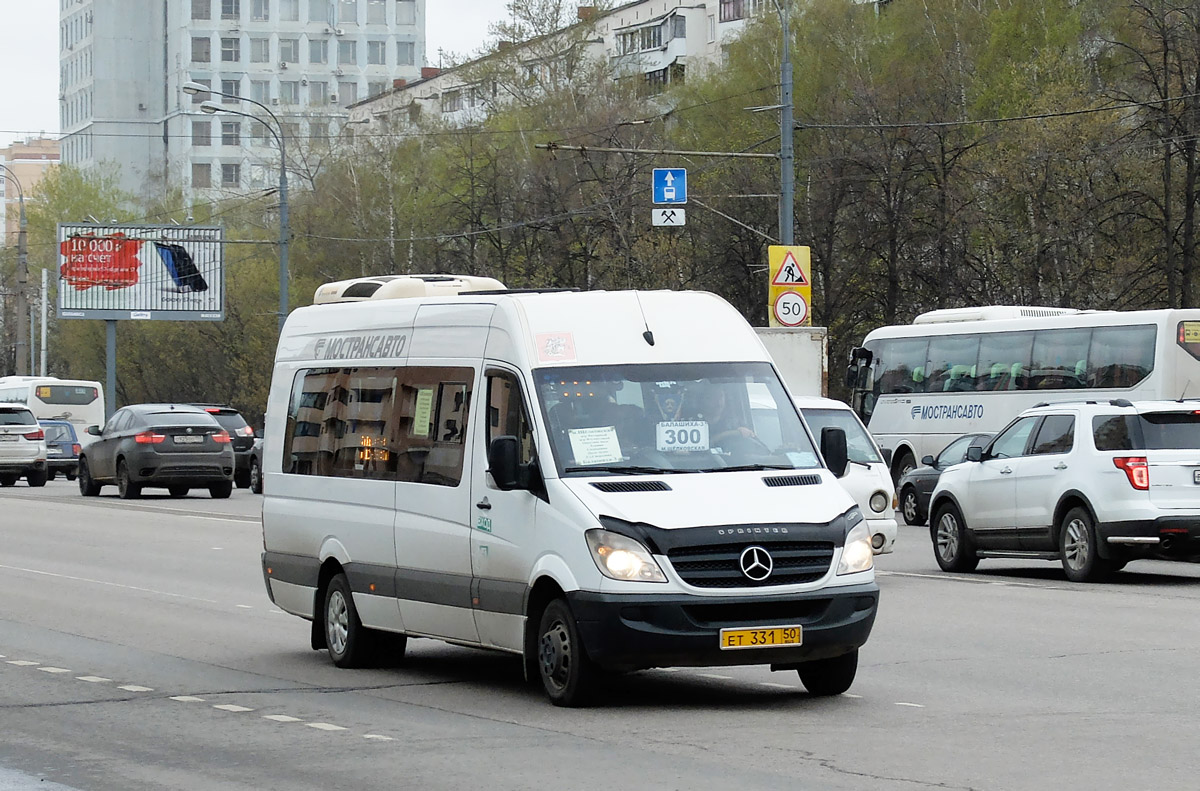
(29, 55)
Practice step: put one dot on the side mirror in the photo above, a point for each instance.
(928, 461)
(887, 456)
(833, 448)
(974, 453)
(851, 377)
(93, 430)
(504, 463)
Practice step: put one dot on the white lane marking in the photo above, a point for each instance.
(23, 663)
(244, 607)
(278, 612)
(714, 675)
(93, 679)
(325, 726)
(849, 695)
(911, 705)
(378, 738)
(669, 669)
(103, 582)
(136, 688)
(146, 509)
(778, 686)
(231, 707)
(48, 669)
(217, 549)
(1, 656)
(187, 698)
(974, 580)
(281, 718)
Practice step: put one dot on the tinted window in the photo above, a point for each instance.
(57, 433)
(1003, 361)
(19, 417)
(1012, 442)
(1059, 359)
(952, 454)
(952, 363)
(1170, 430)
(170, 418)
(230, 421)
(506, 413)
(1056, 435)
(1113, 433)
(1120, 356)
(901, 366)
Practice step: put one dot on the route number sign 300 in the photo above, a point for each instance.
(682, 435)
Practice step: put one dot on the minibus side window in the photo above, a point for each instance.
(506, 413)
(428, 436)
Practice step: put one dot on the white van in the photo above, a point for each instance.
(574, 477)
(868, 478)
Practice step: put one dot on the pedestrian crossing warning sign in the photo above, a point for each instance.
(789, 291)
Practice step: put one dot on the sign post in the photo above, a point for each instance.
(789, 291)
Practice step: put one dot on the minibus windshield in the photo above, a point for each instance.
(671, 418)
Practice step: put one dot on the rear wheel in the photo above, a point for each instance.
(568, 675)
(242, 479)
(910, 505)
(952, 545)
(220, 491)
(126, 488)
(50, 475)
(36, 478)
(71, 476)
(345, 636)
(8, 480)
(905, 464)
(87, 487)
(825, 677)
(178, 491)
(1080, 550)
(255, 477)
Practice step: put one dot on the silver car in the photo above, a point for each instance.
(22, 446)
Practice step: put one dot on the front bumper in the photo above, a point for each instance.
(59, 463)
(1164, 536)
(631, 632)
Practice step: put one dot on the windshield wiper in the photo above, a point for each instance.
(632, 470)
(856, 461)
(748, 468)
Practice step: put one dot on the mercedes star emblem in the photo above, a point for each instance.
(756, 563)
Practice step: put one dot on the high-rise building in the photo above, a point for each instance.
(29, 160)
(124, 62)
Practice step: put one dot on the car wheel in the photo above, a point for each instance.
(220, 491)
(51, 475)
(1080, 550)
(126, 488)
(36, 478)
(904, 465)
(256, 481)
(825, 677)
(9, 480)
(345, 636)
(952, 544)
(178, 491)
(241, 479)
(71, 476)
(910, 506)
(87, 487)
(568, 675)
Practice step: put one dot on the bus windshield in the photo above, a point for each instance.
(674, 417)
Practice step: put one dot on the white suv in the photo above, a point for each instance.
(22, 446)
(1094, 484)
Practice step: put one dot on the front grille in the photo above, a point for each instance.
(760, 612)
(631, 486)
(792, 480)
(719, 565)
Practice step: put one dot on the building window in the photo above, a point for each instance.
(347, 53)
(231, 133)
(318, 92)
(231, 9)
(347, 12)
(231, 50)
(406, 12)
(678, 27)
(732, 10)
(201, 49)
(291, 131)
(201, 133)
(317, 133)
(376, 12)
(261, 10)
(289, 92)
(347, 93)
(201, 174)
(201, 9)
(320, 11)
(231, 175)
(233, 88)
(260, 90)
(289, 10)
(318, 51)
(406, 53)
(258, 131)
(260, 50)
(375, 88)
(199, 98)
(712, 28)
(651, 37)
(289, 50)
(376, 54)
(452, 101)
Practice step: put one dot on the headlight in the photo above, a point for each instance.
(857, 555)
(879, 502)
(622, 558)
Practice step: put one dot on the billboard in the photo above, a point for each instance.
(162, 272)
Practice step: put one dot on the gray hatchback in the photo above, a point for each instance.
(173, 446)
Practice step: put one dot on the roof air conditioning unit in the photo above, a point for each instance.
(304, 80)
(339, 32)
(283, 64)
(362, 289)
(275, 100)
(333, 98)
(328, 30)
(339, 72)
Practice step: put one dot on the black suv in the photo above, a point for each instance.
(243, 439)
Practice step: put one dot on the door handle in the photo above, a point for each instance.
(1006, 471)
(1060, 466)
(484, 505)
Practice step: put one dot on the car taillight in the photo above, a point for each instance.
(1136, 470)
(246, 431)
(221, 437)
(149, 438)
(75, 449)
(36, 435)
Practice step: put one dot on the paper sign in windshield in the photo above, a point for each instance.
(423, 413)
(595, 445)
(682, 435)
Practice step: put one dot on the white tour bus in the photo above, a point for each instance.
(77, 401)
(578, 478)
(959, 371)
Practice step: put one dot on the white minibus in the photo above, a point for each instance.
(78, 401)
(574, 477)
(968, 370)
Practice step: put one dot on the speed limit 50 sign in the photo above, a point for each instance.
(789, 291)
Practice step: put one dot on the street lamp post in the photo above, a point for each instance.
(22, 317)
(787, 169)
(277, 131)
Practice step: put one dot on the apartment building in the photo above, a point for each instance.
(124, 62)
(655, 42)
(29, 161)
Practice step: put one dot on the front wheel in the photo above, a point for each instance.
(9, 480)
(1080, 551)
(825, 677)
(50, 475)
(952, 545)
(87, 487)
(910, 506)
(255, 477)
(126, 488)
(568, 675)
(221, 491)
(241, 479)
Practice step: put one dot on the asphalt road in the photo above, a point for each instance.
(140, 651)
